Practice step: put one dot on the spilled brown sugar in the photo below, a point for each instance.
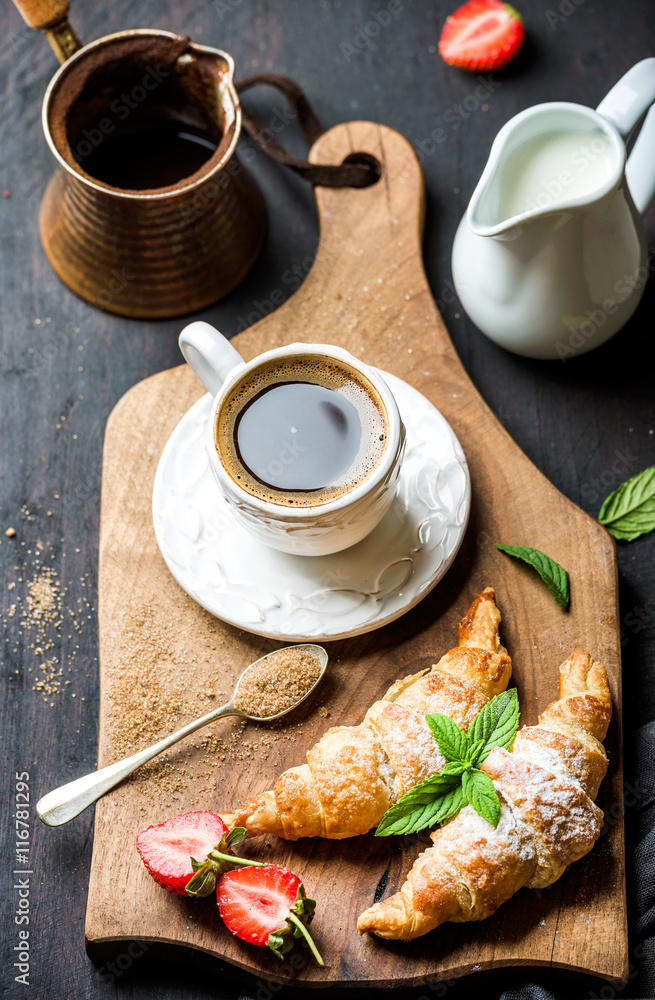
(145, 703)
(41, 621)
(277, 683)
(155, 681)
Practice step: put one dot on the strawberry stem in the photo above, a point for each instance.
(234, 860)
(299, 924)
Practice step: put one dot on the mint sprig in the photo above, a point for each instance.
(629, 511)
(554, 576)
(460, 781)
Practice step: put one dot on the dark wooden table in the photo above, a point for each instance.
(587, 423)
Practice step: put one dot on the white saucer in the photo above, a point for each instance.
(294, 598)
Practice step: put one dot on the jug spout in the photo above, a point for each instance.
(551, 158)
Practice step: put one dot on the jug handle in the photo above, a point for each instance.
(625, 104)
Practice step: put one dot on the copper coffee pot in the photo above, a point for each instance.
(152, 252)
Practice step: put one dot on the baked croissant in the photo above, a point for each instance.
(354, 773)
(547, 819)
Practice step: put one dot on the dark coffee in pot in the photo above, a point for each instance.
(155, 154)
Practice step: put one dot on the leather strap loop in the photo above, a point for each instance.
(355, 175)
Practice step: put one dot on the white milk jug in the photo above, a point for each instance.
(550, 259)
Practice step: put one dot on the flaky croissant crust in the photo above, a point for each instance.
(354, 773)
(548, 819)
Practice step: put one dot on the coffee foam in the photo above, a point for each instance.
(320, 370)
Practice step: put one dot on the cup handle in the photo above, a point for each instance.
(625, 104)
(209, 353)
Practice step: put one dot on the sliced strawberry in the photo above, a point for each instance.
(266, 906)
(168, 848)
(170, 851)
(482, 35)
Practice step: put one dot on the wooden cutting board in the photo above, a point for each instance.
(367, 291)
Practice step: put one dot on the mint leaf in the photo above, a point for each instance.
(422, 806)
(487, 718)
(474, 752)
(404, 817)
(496, 724)
(479, 791)
(450, 804)
(451, 740)
(554, 576)
(452, 768)
(629, 511)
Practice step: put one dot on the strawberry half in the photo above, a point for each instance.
(482, 35)
(266, 906)
(170, 849)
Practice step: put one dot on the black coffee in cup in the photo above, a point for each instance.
(301, 431)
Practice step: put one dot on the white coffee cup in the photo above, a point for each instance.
(305, 530)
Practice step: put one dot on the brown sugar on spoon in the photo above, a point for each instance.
(277, 683)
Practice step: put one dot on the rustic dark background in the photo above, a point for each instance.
(587, 423)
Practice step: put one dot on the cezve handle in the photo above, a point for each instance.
(624, 106)
(51, 17)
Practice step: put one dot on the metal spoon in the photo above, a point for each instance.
(68, 801)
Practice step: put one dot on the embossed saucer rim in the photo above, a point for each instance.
(371, 623)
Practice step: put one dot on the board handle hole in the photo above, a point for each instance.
(367, 160)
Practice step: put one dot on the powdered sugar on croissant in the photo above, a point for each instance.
(547, 819)
(354, 773)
